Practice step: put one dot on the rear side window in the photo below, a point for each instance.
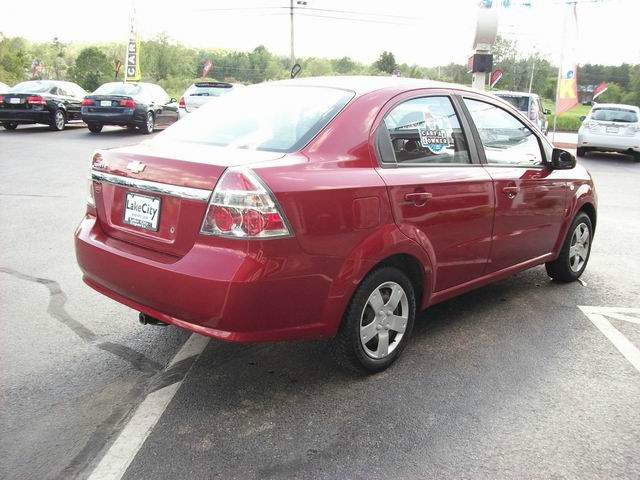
(422, 131)
(614, 115)
(506, 140)
(264, 117)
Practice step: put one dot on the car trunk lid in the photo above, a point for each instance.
(172, 181)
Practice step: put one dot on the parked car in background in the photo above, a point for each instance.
(611, 127)
(51, 102)
(4, 87)
(331, 208)
(200, 93)
(530, 105)
(142, 105)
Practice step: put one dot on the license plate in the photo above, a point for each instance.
(14, 100)
(105, 103)
(142, 211)
(612, 129)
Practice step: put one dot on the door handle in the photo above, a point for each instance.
(511, 191)
(419, 199)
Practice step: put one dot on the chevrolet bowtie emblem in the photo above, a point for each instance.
(136, 166)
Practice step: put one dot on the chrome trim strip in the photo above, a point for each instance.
(187, 193)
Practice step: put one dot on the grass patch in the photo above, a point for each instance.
(567, 121)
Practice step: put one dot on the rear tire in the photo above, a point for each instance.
(10, 125)
(377, 324)
(94, 127)
(636, 156)
(148, 126)
(58, 121)
(575, 252)
(581, 152)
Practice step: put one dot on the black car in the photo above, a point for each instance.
(131, 105)
(51, 102)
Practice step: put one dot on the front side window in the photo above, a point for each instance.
(506, 140)
(422, 131)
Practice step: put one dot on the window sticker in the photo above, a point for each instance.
(436, 133)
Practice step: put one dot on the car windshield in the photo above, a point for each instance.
(118, 88)
(268, 117)
(614, 115)
(209, 90)
(520, 102)
(31, 87)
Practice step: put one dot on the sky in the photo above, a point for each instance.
(424, 32)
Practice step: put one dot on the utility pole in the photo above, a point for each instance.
(293, 57)
(291, 12)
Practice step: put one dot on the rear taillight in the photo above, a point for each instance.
(86, 102)
(592, 124)
(1, 99)
(128, 102)
(36, 100)
(181, 103)
(241, 206)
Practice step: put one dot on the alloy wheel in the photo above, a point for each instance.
(384, 320)
(149, 122)
(579, 247)
(59, 120)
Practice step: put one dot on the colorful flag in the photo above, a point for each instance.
(600, 89)
(567, 93)
(496, 75)
(132, 71)
(206, 67)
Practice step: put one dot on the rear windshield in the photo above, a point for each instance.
(614, 115)
(521, 103)
(31, 87)
(275, 118)
(209, 90)
(118, 88)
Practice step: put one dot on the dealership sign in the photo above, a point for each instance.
(132, 69)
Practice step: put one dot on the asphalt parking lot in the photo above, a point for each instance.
(513, 380)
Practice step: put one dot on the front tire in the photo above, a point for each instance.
(94, 127)
(10, 125)
(378, 322)
(576, 249)
(581, 152)
(149, 124)
(58, 121)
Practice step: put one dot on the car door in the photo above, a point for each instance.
(530, 197)
(440, 195)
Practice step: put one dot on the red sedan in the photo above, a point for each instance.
(331, 208)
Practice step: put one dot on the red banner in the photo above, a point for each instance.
(599, 90)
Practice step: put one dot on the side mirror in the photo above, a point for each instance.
(562, 160)
(582, 118)
(546, 111)
(173, 100)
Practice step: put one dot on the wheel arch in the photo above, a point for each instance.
(591, 211)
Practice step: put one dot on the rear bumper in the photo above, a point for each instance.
(24, 116)
(105, 118)
(244, 295)
(611, 143)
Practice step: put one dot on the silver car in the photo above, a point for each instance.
(530, 105)
(611, 127)
(200, 93)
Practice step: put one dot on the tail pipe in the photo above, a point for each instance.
(145, 319)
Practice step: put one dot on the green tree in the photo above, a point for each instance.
(14, 61)
(92, 68)
(386, 62)
(613, 94)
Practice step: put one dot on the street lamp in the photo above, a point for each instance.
(300, 3)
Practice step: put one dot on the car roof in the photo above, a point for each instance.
(362, 85)
(514, 94)
(616, 105)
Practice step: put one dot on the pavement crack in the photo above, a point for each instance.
(56, 309)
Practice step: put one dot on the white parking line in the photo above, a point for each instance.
(120, 455)
(598, 315)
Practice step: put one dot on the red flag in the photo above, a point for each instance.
(495, 76)
(567, 94)
(207, 66)
(600, 89)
